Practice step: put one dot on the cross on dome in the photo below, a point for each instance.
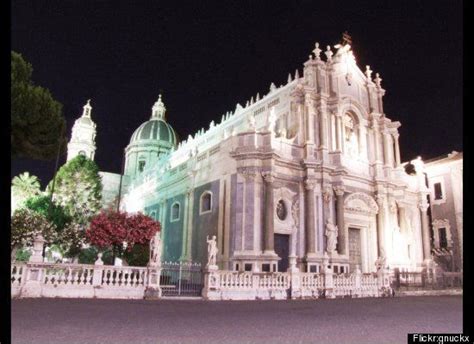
(158, 110)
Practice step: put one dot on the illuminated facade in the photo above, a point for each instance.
(270, 178)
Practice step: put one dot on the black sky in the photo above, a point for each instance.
(207, 56)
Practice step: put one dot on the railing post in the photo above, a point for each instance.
(383, 281)
(328, 278)
(210, 291)
(153, 289)
(295, 279)
(358, 282)
(98, 269)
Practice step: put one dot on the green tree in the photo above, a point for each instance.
(23, 187)
(37, 123)
(26, 225)
(78, 189)
(55, 213)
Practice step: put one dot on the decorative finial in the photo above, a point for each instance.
(289, 77)
(258, 96)
(247, 104)
(311, 57)
(158, 110)
(368, 73)
(297, 74)
(251, 100)
(272, 87)
(317, 51)
(328, 53)
(87, 109)
(377, 80)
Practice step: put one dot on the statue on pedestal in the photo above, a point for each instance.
(155, 250)
(331, 236)
(211, 251)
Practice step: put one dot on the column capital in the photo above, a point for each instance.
(380, 198)
(423, 205)
(309, 184)
(392, 204)
(339, 190)
(396, 135)
(268, 176)
(249, 174)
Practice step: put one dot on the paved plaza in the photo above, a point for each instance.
(374, 320)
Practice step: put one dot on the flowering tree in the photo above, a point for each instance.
(121, 231)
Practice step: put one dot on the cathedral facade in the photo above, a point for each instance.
(310, 169)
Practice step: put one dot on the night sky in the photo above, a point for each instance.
(206, 56)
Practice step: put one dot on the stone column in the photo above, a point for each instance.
(425, 230)
(324, 130)
(386, 150)
(381, 225)
(310, 217)
(269, 212)
(377, 144)
(363, 149)
(341, 242)
(397, 149)
(310, 119)
(338, 133)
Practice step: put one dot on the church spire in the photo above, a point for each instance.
(158, 110)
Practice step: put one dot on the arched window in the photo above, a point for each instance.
(82, 153)
(141, 165)
(175, 212)
(206, 202)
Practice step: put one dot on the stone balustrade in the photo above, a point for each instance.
(233, 285)
(79, 280)
(36, 279)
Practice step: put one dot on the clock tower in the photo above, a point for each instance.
(83, 135)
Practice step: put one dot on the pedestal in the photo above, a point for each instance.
(153, 289)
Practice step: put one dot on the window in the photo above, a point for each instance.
(443, 239)
(206, 202)
(438, 191)
(175, 212)
(281, 210)
(141, 165)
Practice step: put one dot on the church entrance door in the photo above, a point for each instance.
(282, 249)
(355, 256)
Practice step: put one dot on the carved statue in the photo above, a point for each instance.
(211, 250)
(252, 122)
(331, 236)
(155, 250)
(271, 121)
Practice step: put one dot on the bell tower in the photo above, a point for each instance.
(83, 135)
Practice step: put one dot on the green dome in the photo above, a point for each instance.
(156, 130)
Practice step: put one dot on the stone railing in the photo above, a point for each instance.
(233, 285)
(81, 280)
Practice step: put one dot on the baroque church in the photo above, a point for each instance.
(308, 170)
